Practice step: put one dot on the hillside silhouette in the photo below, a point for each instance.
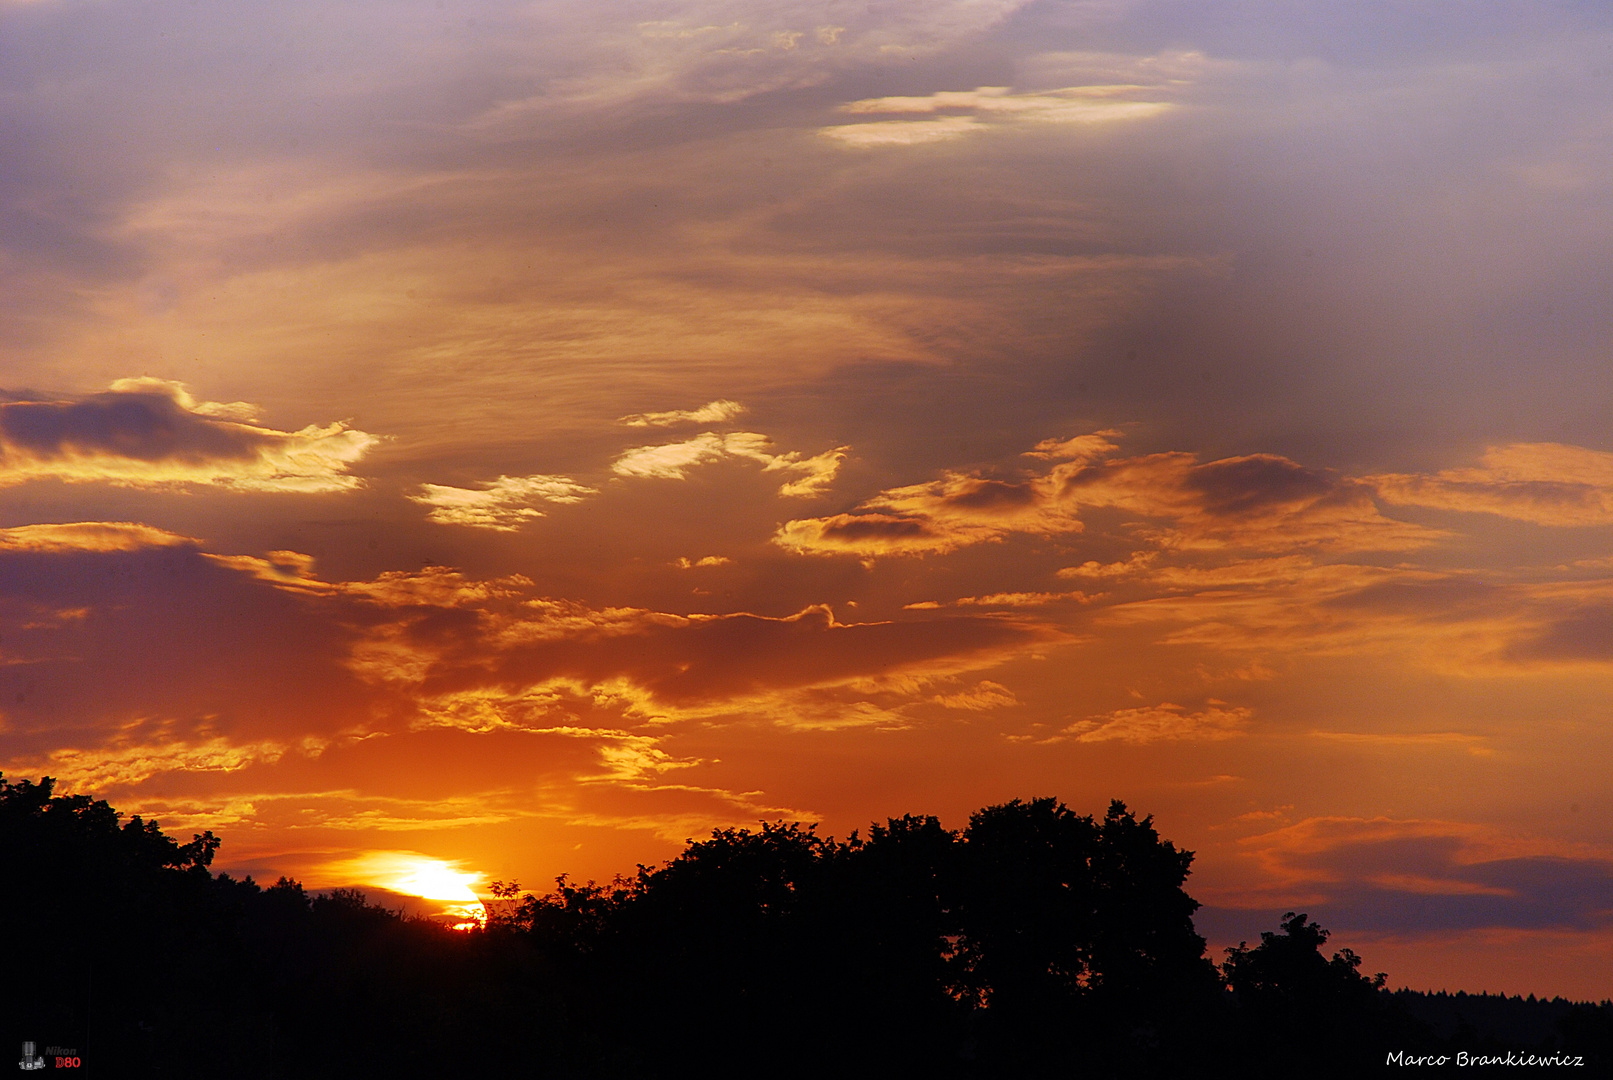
(1033, 942)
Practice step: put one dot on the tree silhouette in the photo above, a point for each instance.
(1035, 941)
(1301, 1006)
(95, 900)
(1078, 939)
(896, 923)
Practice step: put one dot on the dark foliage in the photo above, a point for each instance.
(1310, 1007)
(1493, 1024)
(1034, 942)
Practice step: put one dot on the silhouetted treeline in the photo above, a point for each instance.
(1494, 1024)
(1033, 942)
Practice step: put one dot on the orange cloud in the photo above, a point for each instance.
(167, 651)
(686, 563)
(983, 695)
(1456, 622)
(1414, 876)
(88, 536)
(672, 461)
(1542, 483)
(444, 650)
(152, 433)
(148, 720)
(434, 586)
(1256, 501)
(1162, 722)
(1253, 502)
(712, 412)
(658, 661)
(291, 809)
(502, 505)
(873, 534)
(129, 761)
(1004, 599)
(1020, 599)
(1139, 562)
(1477, 745)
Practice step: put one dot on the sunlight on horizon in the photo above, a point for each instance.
(419, 875)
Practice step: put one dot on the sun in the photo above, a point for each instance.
(429, 878)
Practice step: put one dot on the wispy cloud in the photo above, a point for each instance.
(1426, 876)
(983, 695)
(88, 536)
(673, 659)
(1256, 501)
(713, 412)
(1164, 722)
(729, 50)
(672, 461)
(1452, 622)
(1006, 600)
(127, 762)
(686, 563)
(1139, 562)
(985, 107)
(1394, 742)
(502, 504)
(1543, 483)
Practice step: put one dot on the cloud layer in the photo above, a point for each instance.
(966, 112)
(713, 412)
(1164, 721)
(1260, 502)
(148, 433)
(1428, 876)
(1541, 483)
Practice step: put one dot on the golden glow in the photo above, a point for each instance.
(502, 504)
(672, 461)
(1544, 483)
(413, 874)
(88, 536)
(146, 432)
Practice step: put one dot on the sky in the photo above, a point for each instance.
(447, 442)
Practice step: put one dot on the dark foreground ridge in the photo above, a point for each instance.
(1034, 942)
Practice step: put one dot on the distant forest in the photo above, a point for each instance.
(1034, 942)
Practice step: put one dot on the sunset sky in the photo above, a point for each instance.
(526, 435)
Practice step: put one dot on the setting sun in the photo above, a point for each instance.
(419, 875)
